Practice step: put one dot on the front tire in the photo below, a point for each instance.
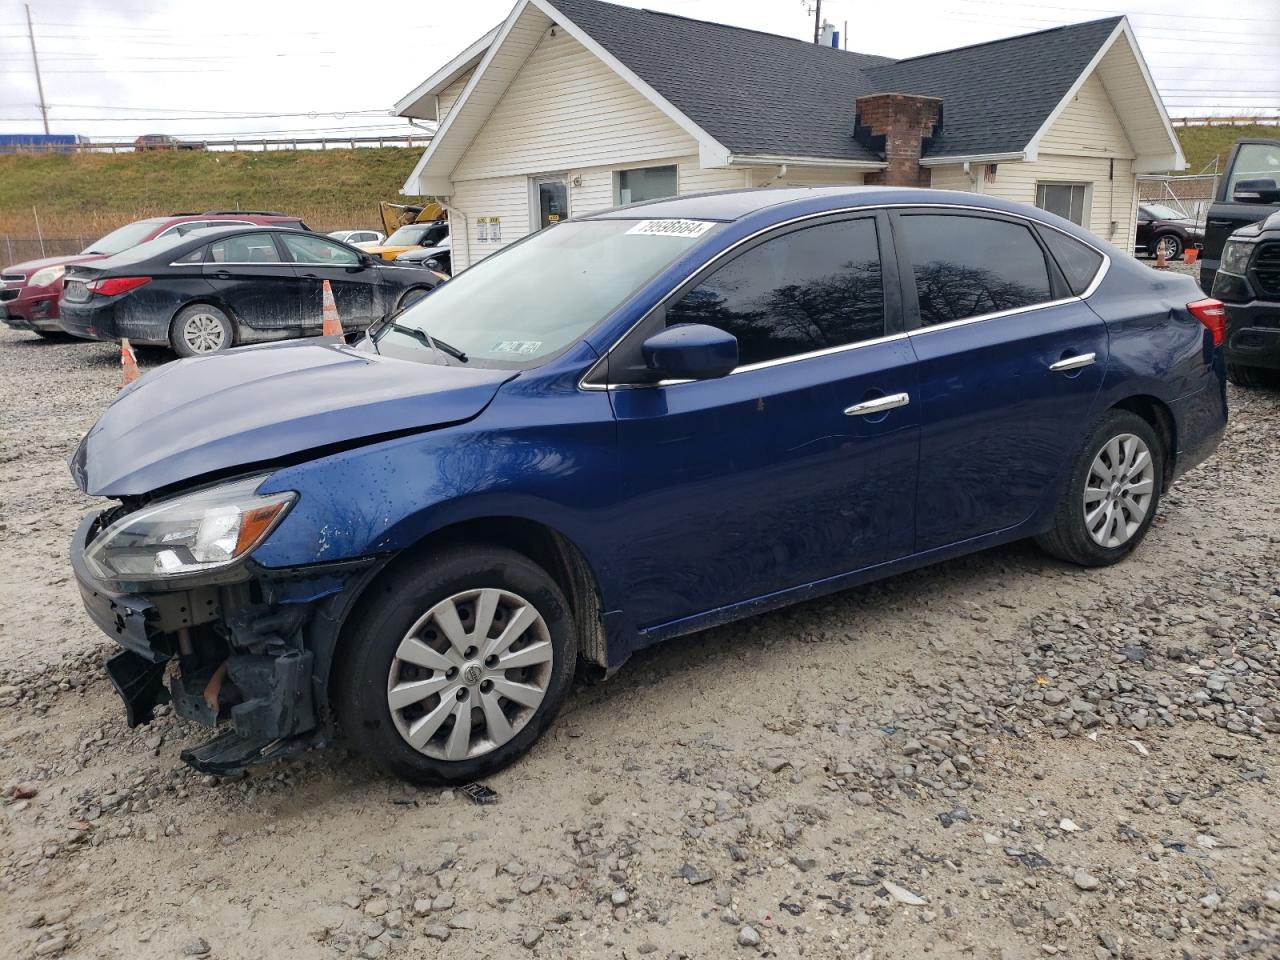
(201, 329)
(412, 296)
(457, 665)
(1111, 498)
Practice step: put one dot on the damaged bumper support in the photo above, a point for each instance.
(247, 651)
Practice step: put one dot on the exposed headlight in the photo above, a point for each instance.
(46, 276)
(1235, 257)
(188, 534)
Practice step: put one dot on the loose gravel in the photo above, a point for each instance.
(1000, 757)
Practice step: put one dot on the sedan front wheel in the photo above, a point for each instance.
(458, 666)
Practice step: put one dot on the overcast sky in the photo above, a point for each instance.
(201, 69)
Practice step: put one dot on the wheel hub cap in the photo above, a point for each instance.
(203, 333)
(469, 674)
(1118, 490)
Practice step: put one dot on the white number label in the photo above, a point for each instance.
(672, 228)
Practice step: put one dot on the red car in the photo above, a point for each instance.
(29, 291)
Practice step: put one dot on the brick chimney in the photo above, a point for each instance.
(898, 127)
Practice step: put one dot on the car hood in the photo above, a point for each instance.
(260, 404)
(421, 254)
(31, 266)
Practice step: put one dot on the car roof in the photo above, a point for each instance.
(735, 204)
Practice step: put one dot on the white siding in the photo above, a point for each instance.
(503, 197)
(566, 109)
(1088, 126)
(450, 94)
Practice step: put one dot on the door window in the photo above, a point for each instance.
(1254, 161)
(1068, 200)
(551, 201)
(807, 290)
(244, 248)
(313, 250)
(646, 183)
(969, 266)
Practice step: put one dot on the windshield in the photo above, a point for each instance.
(407, 236)
(1161, 212)
(127, 236)
(535, 298)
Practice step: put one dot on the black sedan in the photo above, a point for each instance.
(1162, 229)
(214, 289)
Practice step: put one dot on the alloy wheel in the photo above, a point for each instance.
(203, 333)
(1118, 491)
(1169, 246)
(469, 674)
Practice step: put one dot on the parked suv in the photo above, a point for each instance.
(1247, 193)
(632, 427)
(1164, 230)
(1248, 282)
(29, 291)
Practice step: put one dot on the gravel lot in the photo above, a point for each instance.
(1000, 757)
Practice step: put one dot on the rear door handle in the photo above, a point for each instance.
(1073, 363)
(878, 405)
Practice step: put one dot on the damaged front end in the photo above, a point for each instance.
(229, 643)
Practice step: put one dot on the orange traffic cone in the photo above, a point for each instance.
(332, 326)
(129, 371)
(1160, 261)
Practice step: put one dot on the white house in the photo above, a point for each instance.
(572, 106)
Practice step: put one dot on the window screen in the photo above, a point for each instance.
(806, 290)
(648, 183)
(1067, 200)
(1078, 263)
(967, 266)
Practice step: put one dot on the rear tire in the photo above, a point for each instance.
(200, 329)
(1243, 376)
(1112, 495)
(425, 657)
(1171, 244)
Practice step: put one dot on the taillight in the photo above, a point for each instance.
(1213, 315)
(114, 286)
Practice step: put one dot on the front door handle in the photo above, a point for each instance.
(1073, 363)
(878, 405)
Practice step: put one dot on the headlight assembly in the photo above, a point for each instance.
(1235, 257)
(46, 276)
(188, 534)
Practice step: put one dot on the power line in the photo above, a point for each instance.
(1119, 11)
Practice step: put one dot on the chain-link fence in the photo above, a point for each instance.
(18, 249)
(1192, 195)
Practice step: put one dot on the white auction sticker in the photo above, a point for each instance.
(672, 228)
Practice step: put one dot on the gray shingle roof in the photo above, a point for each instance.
(762, 94)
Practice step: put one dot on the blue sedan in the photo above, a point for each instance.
(620, 430)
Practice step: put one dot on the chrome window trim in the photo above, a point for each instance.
(234, 263)
(1103, 267)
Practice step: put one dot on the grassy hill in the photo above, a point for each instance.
(88, 194)
(85, 195)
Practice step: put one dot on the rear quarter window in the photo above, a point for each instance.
(1078, 262)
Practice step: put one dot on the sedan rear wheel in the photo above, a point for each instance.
(201, 329)
(457, 666)
(1111, 497)
(1169, 245)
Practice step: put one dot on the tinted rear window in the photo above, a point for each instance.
(969, 266)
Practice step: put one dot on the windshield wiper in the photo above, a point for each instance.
(424, 338)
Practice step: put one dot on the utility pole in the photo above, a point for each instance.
(35, 58)
(817, 33)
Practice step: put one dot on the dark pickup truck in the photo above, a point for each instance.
(1247, 193)
(1248, 284)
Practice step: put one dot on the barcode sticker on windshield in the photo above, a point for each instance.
(672, 228)
(517, 346)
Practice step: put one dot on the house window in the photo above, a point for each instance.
(646, 183)
(1068, 200)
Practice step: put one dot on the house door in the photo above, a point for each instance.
(550, 201)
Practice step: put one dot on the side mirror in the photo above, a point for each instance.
(1262, 190)
(691, 351)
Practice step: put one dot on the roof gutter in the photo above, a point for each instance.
(975, 158)
(770, 160)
